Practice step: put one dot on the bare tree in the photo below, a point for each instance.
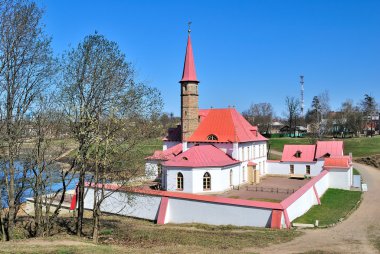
(260, 114)
(100, 98)
(293, 112)
(26, 66)
(47, 181)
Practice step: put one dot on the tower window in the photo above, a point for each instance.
(212, 137)
(207, 181)
(179, 181)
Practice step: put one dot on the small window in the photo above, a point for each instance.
(207, 181)
(185, 158)
(243, 174)
(179, 181)
(212, 137)
(308, 169)
(298, 154)
(327, 155)
(291, 169)
(159, 170)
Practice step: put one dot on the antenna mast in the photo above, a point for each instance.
(302, 99)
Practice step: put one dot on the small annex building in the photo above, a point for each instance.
(310, 160)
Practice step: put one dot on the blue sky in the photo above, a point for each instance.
(245, 51)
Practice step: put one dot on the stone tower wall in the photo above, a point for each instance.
(189, 108)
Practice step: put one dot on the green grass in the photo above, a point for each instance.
(273, 156)
(356, 172)
(266, 200)
(336, 204)
(359, 147)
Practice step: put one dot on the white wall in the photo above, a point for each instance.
(302, 204)
(129, 204)
(190, 211)
(151, 169)
(181, 210)
(169, 144)
(322, 185)
(193, 178)
(283, 168)
(341, 178)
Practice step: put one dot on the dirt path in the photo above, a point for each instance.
(353, 235)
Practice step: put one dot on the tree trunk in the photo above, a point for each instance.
(80, 200)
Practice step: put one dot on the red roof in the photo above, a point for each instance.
(305, 153)
(201, 156)
(166, 154)
(337, 162)
(251, 163)
(227, 125)
(329, 149)
(202, 113)
(189, 66)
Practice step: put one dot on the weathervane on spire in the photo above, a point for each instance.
(189, 24)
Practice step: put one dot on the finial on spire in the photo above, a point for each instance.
(189, 24)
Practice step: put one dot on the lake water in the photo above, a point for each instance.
(55, 183)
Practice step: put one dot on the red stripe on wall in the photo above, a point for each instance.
(287, 221)
(276, 219)
(316, 195)
(162, 211)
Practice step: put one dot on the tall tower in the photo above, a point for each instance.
(302, 99)
(189, 93)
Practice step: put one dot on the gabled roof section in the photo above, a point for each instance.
(228, 125)
(342, 162)
(329, 149)
(201, 156)
(305, 152)
(166, 154)
(189, 65)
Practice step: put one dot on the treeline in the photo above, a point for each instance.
(349, 119)
(90, 94)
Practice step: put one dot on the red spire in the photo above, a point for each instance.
(189, 66)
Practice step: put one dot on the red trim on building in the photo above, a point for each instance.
(276, 219)
(162, 211)
(287, 221)
(73, 204)
(316, 195)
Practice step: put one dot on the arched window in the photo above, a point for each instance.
(207, 181)
(212, 137)
(179, 181)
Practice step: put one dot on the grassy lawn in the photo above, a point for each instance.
(355, 172)
(273, 156)
(358, 146)
(128, 235)
(336, 204)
